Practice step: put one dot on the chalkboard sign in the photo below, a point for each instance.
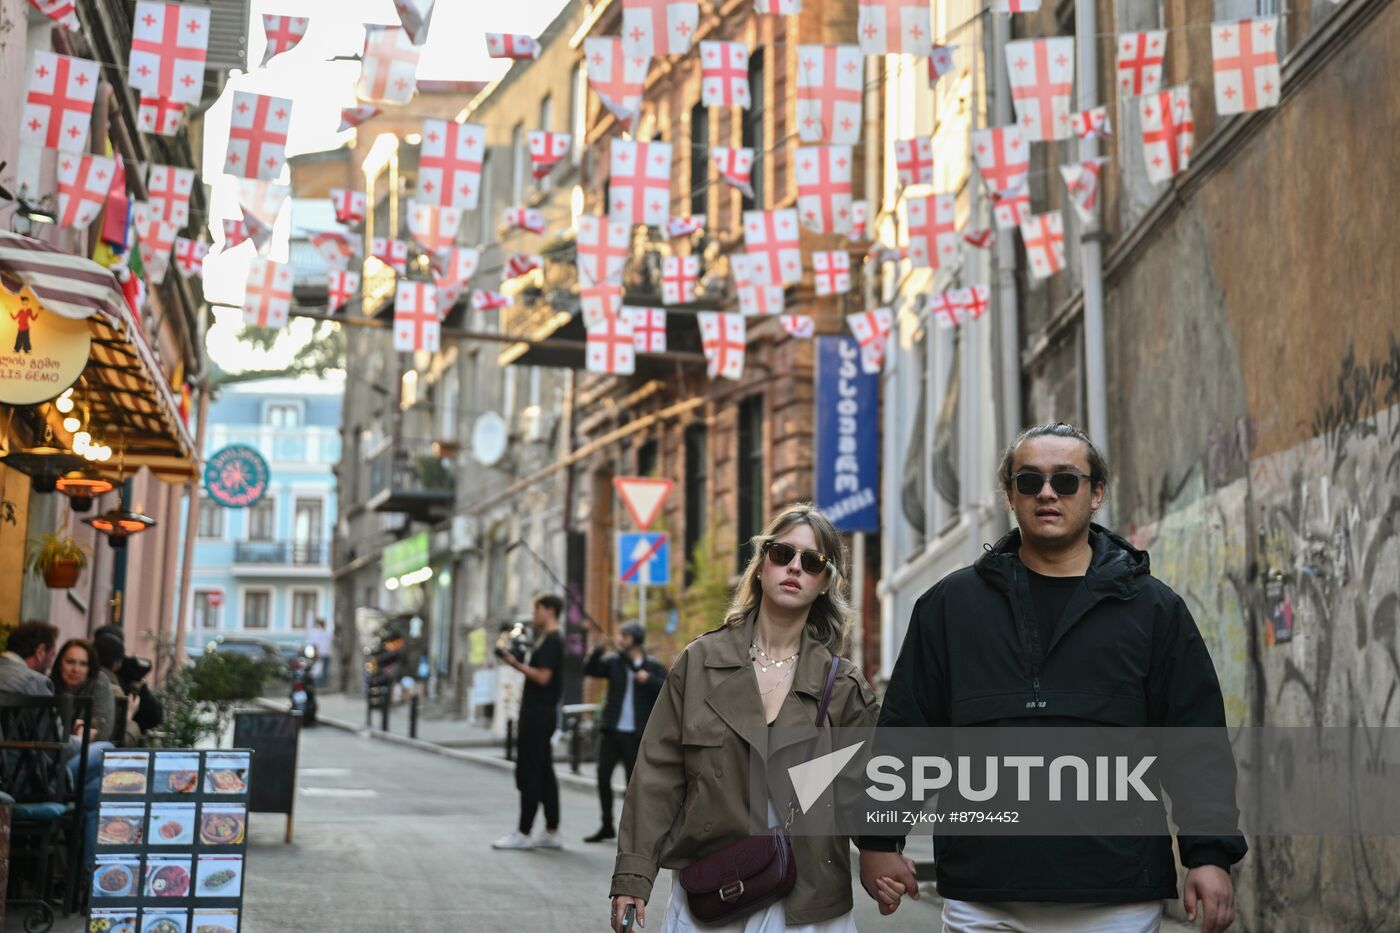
(274, 738)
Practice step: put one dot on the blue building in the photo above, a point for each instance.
(266, 570)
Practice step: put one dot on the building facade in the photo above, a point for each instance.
(265, 570)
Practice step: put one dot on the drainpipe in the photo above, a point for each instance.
(1007, 316)
(1091, 244)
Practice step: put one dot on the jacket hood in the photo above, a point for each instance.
(1113, 570)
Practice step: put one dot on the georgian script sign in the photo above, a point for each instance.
(847, 442)
(41, 353)
(236, 477)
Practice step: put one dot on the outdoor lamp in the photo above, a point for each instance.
(81, 487)
(44, 464)
(119, 524)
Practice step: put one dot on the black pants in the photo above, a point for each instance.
(614, 746)
(22, 342)
(534, 769)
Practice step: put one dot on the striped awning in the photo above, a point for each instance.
(124, 388)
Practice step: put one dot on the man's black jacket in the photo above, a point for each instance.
(1125, 653)
(614, 667)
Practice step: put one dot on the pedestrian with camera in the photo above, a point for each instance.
(773, 669)
(543, 669)
(634, 682)
(127, 676)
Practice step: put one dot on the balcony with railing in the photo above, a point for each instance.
(413, 476)
(263, 558)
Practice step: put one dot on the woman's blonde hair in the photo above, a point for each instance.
(829, 619)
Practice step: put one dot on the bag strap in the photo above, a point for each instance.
(826, 691)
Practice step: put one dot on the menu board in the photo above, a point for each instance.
(172, 836)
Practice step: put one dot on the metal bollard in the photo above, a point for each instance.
(385, 701)
(413, 717)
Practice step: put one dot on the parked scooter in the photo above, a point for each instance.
(304, 685)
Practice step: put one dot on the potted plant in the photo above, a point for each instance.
(58, 559)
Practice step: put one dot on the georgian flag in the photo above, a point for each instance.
(257, 136)
(83, 184)
(801, 326)
(1043, 235)
(518, 264)
(1003, 157)
(601, 246)
(1168, 132)
(678, 277)
(456, 266)
(512, 46)
(388, 67)
(341, 286)
(913, 159)
(777, 7)
(416, 16)
(860, 217)
(824, 188)
(639, 182)
(979, 238)
(891, 27)
(156, 237)
(283, 33)
(393, 253)
(754, 298)
(724, 74)
(832, 272)
(599, 302)
(58, 108)
(1010, 208)
(351, 117)
(169, 190)
(189, 257)
(871, 330)
(63, 12)
(724, 338)
(648, 328)
(1042, 75)
(529, 219)
(267, 300)
(546, 151)
(735, 166)
(616, 77)
(169, 42)
(337, 247)
(940, 62)
(484, 300)
(349, 206)
(434, 228)
(830, 93)
(1247, 74)
(1015, 6)
(1090, 123)
(771, 239)
(678, 227)
(654, 28)
(160, 117)
(417, 323)
(1082, 181)
(1140, 57)
(610, 347)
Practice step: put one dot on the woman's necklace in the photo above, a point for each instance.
(768, 658)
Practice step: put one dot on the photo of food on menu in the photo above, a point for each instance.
(115, 875)
(112, 921)
(226, 773)
(171, 824)
(222, 824)
(219, 876)
(125, 772)
(215, 920)
(168, 876)
(177, 772)
(164, 921)
(120, 824)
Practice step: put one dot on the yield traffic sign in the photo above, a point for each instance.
(643, 496)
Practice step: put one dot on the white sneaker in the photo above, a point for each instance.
(548, 840)
(515, 840)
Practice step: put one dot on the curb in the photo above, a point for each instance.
(423, 745)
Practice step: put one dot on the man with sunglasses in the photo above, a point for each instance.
(1060, 623)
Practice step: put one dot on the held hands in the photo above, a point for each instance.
(887, 877)
(620, 904)
(1209, 893)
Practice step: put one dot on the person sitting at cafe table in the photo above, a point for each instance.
(28, 654)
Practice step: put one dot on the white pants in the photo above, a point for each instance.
(1047, 917)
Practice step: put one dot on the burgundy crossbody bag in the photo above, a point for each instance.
(747, 875)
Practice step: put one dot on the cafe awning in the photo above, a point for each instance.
(123, 385)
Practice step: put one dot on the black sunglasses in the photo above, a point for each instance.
(1031, 482)
(814, 562)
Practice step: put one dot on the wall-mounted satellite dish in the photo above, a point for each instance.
(489, 438)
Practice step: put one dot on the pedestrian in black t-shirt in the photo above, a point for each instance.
(539, 704)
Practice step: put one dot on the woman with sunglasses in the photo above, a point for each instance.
(766, 667)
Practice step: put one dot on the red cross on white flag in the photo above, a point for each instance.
(1140, 57)
(724, 338)
(449, 163)
(602, 246)
(801, 326)
(945, 309)
(160, 117)
(1082, 181)
(1168, 132)
(1003, 157)
(349, 205)
(189, 257)
(913, 159)
(393, 253)
(933, 237)
(640, 183)
(63, 12)
(169, 189)
(512, 45)
(1089, 123)
(871, 330)
(979, 238)
(58, 108)
(777, 7)
(518, 264)
(457, 265)
(1010, 208)
(860, 217)
(337, 247)
(648, 328)
(832, 271)
(678, 227)
(824, 188)
(975, 300)
(678, 277)
(529, 219)
(283, 33)
(546, 151)
(389, 66)
(156, 236)
(940, 62)
(771, 239)
(610, 348)
(168, 46)
(416, 17)
(830, 92)
(246, 230)
(83, 184)
(434, 228)
(653, 28)
(1042, 75)
(616, 77)
(351, 117)
(1015, 6)
(754, 298)
(735, 166)
(267, 302)
(599, 302)
(257, 135)
(1246, 64)
(890, 27)
(484, 300)
(264, 199)
(1044, 239)
(724, 74)
(417, 324)
(341, 286)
